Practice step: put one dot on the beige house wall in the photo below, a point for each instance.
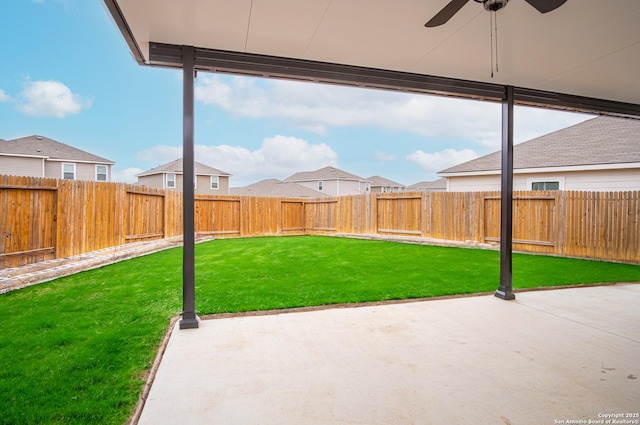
(595, 180)
(21, 166)
(390, 189)
(84, 171)
(155, 180)
(202, 183)
(336, 187)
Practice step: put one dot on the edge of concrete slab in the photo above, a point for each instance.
(150, 375)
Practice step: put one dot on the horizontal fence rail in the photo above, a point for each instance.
(43, 219)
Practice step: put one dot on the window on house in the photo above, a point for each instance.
(545, 185)
(367, 187)
(215, 183)
(171, 181)
(101, 173)
(320, 185)
(69, 171)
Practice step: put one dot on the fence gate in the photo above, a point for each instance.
(292, 216)
(145, 215)
(320, 215)
(22, 204)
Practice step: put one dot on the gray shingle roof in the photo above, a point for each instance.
(601, 140)
(326, 173)
(277, 188)
(176, 167)
(48, 148)
(432, 185)
(377, 181)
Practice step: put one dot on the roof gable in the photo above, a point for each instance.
(598, 141)
(326, 173)
(44, 147)
(175, 167)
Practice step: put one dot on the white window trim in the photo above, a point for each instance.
(106, 173)
(166, 181)
(320, 184)
(367, 187)
(74, 170)
(559, 179)
(216, 180)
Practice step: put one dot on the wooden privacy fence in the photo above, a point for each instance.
(45, 218)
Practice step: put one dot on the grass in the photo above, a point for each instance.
(75, 350)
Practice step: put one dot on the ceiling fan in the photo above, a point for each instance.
(447, 12)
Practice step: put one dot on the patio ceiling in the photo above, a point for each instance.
(584, 55)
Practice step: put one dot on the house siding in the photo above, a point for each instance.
(21, 166)
(155, 180)
(84, 171)
(88, 172)
(336, 187)
(596, 180)
(395, 189)
(203, 186)
(612, 180)
(202, 183)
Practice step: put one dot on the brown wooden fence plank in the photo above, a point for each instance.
(77, 217)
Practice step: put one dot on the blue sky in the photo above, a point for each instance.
(67, 74)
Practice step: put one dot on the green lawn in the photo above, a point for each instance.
(74, 350)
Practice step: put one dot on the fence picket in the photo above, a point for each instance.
(45, 218)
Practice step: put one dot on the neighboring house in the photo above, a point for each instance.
(331, 181)
(600, 154)
(382, 185)
(277, 188)
(39, 156)
(209, 180)
(439, 185)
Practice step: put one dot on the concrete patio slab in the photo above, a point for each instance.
(549, 357)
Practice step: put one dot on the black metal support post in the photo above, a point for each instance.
(189, 319)
(506, 199)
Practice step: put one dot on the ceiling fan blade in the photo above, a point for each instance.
(446, 13)
(544, 6)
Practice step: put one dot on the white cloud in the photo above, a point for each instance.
(384, 156)
(316, 107)
(4, 97)
(50, 98)
(128, 175)
(278, 157)
(439, 161)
